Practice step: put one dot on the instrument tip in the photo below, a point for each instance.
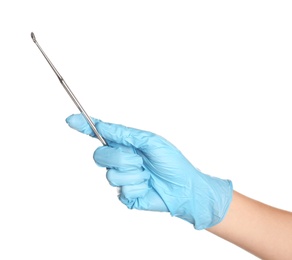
(33, 37)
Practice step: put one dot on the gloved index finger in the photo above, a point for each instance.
(79, 123)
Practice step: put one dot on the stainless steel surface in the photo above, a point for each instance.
(70, 93)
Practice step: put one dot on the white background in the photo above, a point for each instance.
(213, 77)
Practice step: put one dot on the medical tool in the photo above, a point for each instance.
(70, 93)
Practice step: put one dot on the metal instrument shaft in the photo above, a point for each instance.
(70, 93)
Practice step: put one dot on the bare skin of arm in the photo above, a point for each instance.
(260, 229)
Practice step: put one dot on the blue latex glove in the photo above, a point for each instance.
(154, 175)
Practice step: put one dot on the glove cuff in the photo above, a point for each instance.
(206, 206)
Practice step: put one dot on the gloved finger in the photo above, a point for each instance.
(132, 177)
(79, 123)
(132, 192)
(116, 157)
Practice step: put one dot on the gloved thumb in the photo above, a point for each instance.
(79, 123)
(116, 133)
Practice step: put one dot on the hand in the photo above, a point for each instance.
(154, 175)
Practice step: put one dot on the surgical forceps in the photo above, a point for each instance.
(70, 93)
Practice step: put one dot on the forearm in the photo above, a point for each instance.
(258, 228)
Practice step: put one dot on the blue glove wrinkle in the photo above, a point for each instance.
(124, 135)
